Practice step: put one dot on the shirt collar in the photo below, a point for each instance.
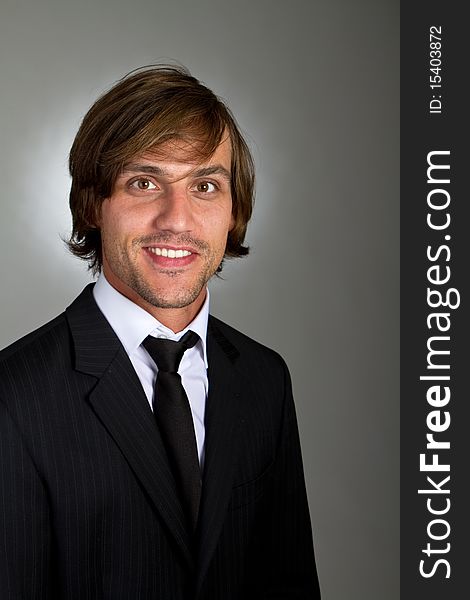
(132, 324)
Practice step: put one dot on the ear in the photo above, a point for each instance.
(232, 223)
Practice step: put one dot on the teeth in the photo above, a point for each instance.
(169, 253)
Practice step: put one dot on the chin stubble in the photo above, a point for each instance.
(128, 272)
(183, 298)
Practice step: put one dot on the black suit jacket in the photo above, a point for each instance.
(88, 505)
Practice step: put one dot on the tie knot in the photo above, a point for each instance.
(167, 354)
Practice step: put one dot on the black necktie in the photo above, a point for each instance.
(174, 419)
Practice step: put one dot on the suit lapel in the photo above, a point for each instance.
(221, 424)
(120, 403)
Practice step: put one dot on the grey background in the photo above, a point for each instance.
(315, 86)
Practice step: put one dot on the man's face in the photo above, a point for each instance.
(164, 228)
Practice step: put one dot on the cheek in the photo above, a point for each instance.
(116, 224)
(226, 220)
(218, 229)
(107, 218)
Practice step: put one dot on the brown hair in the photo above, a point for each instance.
(145, 109)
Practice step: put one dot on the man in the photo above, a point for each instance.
(122, 475)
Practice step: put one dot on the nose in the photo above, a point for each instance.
(175, 212)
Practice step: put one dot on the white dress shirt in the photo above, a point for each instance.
(132, 324)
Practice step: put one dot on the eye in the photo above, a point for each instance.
(206, 187)
(143, 184)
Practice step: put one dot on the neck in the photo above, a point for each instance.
(175, 319)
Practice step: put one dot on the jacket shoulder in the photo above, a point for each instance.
(35, 359)
(52, 340)
(249, 349)
(32, 341)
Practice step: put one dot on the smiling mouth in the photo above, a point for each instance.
(169, 252)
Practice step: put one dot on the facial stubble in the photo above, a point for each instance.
(126, 268)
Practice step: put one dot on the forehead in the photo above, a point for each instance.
(190, 153)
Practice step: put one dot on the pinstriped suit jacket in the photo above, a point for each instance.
(88, 505)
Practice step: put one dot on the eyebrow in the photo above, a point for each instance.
(213, 170)
(159, 172)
